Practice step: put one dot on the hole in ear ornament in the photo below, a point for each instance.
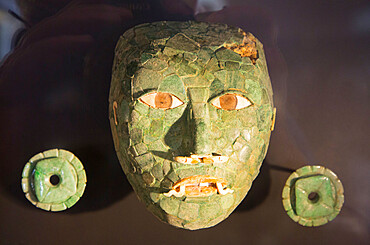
(191, 114)
(313, 196)
(53, 180)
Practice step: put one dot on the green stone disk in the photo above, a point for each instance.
(54, 180)
(313, 196)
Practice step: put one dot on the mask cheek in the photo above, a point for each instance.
(244, 154)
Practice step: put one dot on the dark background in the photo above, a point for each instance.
(53, 94)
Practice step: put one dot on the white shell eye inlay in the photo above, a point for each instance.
(159, 100)
(231, 102)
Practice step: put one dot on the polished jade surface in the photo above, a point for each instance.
(313, 196)
(190, 102)
(54, 180)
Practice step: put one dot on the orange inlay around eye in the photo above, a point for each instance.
(231, 102)
(163, 100)
(160, 100)
(228, 102)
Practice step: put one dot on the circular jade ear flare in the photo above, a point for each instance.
(53, 180)
(191, 114)
(313, 196)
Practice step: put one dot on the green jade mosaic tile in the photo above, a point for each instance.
(190, 70)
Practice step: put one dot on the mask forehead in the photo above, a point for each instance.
(198, 65)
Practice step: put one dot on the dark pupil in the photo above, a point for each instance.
(163, 100)
(228, 101)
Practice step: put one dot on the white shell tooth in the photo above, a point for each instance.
(221, 190)
(175, 193)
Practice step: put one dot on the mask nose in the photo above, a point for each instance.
(199, 121)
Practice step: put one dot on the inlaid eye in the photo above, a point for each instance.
(159, 100)
(231, 102)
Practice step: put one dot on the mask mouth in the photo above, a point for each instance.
(199, 186)
(207, 159)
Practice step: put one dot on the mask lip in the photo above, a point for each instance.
(204, 158)
(199, 186)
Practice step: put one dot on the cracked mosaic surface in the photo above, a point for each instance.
(190, 61)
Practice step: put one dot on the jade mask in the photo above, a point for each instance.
(191, 114)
